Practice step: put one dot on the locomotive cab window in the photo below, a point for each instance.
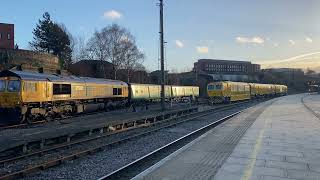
(210, 87)
(59, 89)
(219, 87)
(14, 86)
(2, 85)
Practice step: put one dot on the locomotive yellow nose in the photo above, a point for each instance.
(214, 93)
(9, 100)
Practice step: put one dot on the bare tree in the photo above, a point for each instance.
(140, 67)
(80, 50)
(116, 45)
(132, 57)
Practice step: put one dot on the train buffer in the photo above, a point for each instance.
(278, 139)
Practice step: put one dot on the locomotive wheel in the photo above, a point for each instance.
(27, 117)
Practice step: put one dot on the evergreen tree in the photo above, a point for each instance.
(52, 38)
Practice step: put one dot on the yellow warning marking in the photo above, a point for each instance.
(253, 158)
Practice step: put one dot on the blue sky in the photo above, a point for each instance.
(257, 31)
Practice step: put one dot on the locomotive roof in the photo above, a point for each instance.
(56, 78)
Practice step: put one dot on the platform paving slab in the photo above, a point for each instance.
(203, 157)
(283, 143)
(286, 136)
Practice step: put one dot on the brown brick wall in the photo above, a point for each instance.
(6, 36)
(28, 60)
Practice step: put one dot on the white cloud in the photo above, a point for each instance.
(301, 56)
(179, 44)
(255, 40)
(292, 42)
(202, 49)
(309, 40)
(113, 15)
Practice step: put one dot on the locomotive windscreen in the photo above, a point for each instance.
(2, 85)
(14, 86)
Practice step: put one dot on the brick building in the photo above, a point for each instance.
(6, 36)
(208, 70)
(227, 70)
(289, 73)
(92, 68)
(213, 66)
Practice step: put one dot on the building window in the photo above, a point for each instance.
(9, 36)
(0, 35)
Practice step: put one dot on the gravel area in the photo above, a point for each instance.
(104, 162)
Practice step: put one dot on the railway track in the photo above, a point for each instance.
(36, 161)
(125, 171)
(63, 119)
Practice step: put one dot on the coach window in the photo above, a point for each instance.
(2, 85)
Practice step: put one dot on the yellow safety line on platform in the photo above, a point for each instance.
(253, 158)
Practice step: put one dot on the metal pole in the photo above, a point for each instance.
(162, 57)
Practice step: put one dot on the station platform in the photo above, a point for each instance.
(275, 140)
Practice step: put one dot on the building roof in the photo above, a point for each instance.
(223, 61)
(6, 24)
(87, 61)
